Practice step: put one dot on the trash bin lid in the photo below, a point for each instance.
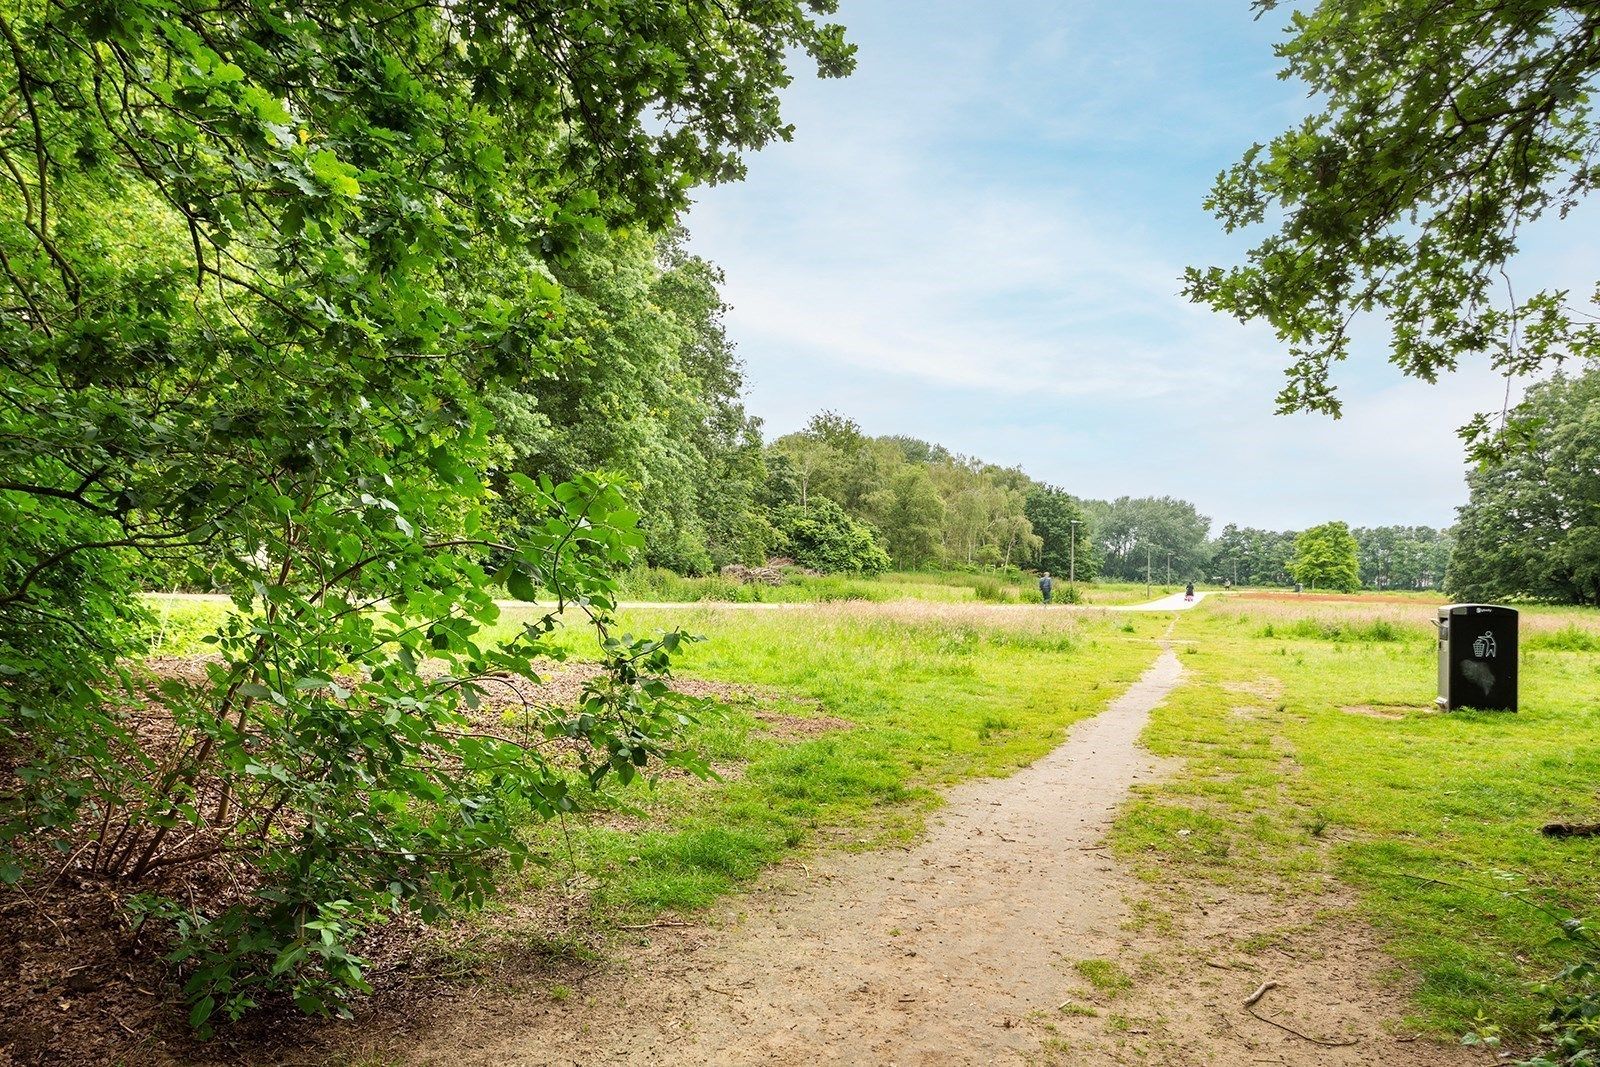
(1475, 609)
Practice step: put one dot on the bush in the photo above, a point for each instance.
(821, 536)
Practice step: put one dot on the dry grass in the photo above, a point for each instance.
(1416, 613)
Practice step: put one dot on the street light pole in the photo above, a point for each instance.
(1169, 568)
(1072, 564)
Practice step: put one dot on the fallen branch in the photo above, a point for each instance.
(1571, 829)
(1305, 1037)
(1261, 991)
(653, 926)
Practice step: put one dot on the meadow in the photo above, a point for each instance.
(837, 726)
(1314, 766)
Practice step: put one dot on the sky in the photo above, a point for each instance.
(977, 239)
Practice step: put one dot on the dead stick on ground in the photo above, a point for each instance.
(1304, 1037)
(653, 926)
(1261, 991)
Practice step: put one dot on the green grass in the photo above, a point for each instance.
(1313, 756)
(1108, 979)
(651, 584)
(934, 694)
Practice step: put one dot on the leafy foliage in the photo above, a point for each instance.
(1443, 128)
(929, 506)
(259, 268)
(1403, 557)
(1573, 1026)
(1325, 557)
(1136, 531)
(1248, 556)
(1059, 520)
(823, 537)
(1531, 526)
(650, 394)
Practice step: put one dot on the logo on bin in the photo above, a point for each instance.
(1483, 647)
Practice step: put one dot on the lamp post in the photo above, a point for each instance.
(1072, 556)
(1169, 568)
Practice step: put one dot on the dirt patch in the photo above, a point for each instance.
(1385, 711)
(1199, 954)
(561, 685)
(800, 727)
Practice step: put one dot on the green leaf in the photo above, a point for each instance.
(521, 586)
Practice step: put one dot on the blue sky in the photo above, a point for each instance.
(977, 240)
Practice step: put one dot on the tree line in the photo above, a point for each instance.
(832, 497)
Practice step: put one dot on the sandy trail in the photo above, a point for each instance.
(932, 956)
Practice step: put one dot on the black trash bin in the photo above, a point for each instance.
(1477, 657)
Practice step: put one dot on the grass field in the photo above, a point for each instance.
(839, 724)
(1314, 756)
(1314, 765)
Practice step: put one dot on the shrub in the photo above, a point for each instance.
(821, 536)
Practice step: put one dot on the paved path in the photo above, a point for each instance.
(1175, 602)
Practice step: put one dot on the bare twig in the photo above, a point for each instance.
(1261, 991)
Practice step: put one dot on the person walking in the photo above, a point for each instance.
(1188, 591)
(1045, 585)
